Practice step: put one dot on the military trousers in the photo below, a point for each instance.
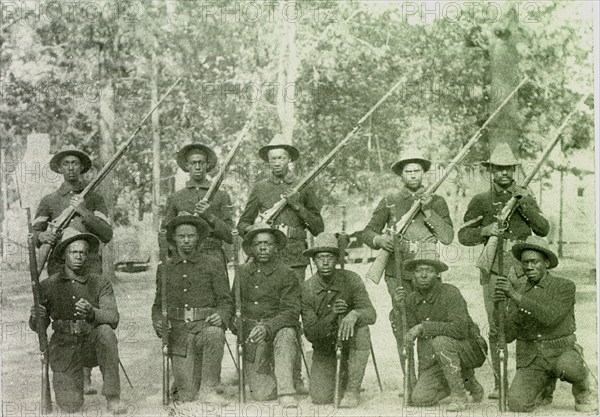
(270, 374)
(355, 356)
(69, 354)
(197, 361)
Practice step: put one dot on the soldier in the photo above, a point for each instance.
(481, 223)
(327, 295)
(430, 225)
(449, 345)
(199, 307)
(83, 311)
(91, 216)
(301, 212)
(198, 159)
(541, 317)
(270, 310)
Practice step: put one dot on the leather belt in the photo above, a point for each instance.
(189, 314)
(562, 342)
(71, 326)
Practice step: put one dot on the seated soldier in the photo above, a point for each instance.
(270, 310)
(335, 304)
(199, 306)
(541, 317)
(449, 345)
(83, 311)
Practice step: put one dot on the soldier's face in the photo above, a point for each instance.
(425, 276)
(534, 264)
(325, 262)
(76, 254)
(186, 238)
(197, 164)
(412, 176)
(70, 167)
(503, 175)
(279, 160)
(264, 247)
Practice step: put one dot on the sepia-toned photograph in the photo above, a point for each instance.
(298, 208)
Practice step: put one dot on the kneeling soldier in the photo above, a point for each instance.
(83, 311)
(327, 295)
(449, 345)
(199, 307)
(541, 317)
(270, 310)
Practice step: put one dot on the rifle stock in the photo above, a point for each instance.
(162, 236)
(46, 396)
(375, 274)
(62, 221)
(239, 319)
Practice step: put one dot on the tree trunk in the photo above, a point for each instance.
(286, 78)
(4, 206)
(155, 153)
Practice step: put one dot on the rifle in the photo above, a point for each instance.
(61, 222)
(46, 398)
(163, 248)
(487, 256)
(239, 320)
(338, 342)
(501, 311)
(218, 180)
(268, 215)
(376, 271)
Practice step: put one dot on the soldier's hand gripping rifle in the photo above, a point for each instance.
(40, 325)
(61, 222)
(487, 257)
(269, 215)
(239, 319)
(376, 271)
(163, 249)
(342, 243)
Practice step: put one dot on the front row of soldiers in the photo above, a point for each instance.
(333, 303)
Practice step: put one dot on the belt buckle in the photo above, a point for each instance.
(188, 314)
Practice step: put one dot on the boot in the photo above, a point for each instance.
(448, 361)
(357, 363)
(473, 386)
(547, 394)
(114, 405)
(87, 382)
(581, 392)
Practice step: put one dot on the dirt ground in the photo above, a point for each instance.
(140, 353)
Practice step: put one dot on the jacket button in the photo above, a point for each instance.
(185, 261)
(185, 290)
(256, 302)
(187, 306)
(256, 286)
(328, 305)
(73, 297)
(328, 291)
(184, 275)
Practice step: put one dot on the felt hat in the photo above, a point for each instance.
(538, 244)
(278, 142)
(70, 235)
(411, 158)
(257, 228)
(186, 218)
(324, 242)
(211, 156)
(502, 155)
(426, 257)
(86, 162)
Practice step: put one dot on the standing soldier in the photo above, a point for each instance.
(83, 311)
(197, 159)
(198, 309)
(481, 222)
(270, 310)
(91, 217)
(430, 225)
(327, 295)
(302, 212)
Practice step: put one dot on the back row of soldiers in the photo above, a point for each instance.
(333, 303)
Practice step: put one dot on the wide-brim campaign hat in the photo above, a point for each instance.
(324, 242)
(279, 142)
(538, 244)
(70, 235)
(426, 257)
(412, 158)
(280, 238)
(502, 155)
(211, 156)
(186, 218)
(86, 161)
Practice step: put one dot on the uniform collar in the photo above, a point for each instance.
(203, 184)
(405, 192)
(336, 283)
(429, 297)
(69, 275)
(288, 179)
(542, 283)
(66, 187)
(194, 257)
(267, 268)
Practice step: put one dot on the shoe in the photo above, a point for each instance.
(495, 394)
(586, 407)
(476, 390)
(455, 402)
(115, 406)
(300, 388)
(88, 389)
(288, 401)
(350, 400)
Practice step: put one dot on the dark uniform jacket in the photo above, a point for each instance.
(437, 227)
(485, 206)
(546, 313)
(52, 206)
(220, 207)
(270, 296)
(58, 294)
(442, 312)
(265, 194)
(319, 321)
